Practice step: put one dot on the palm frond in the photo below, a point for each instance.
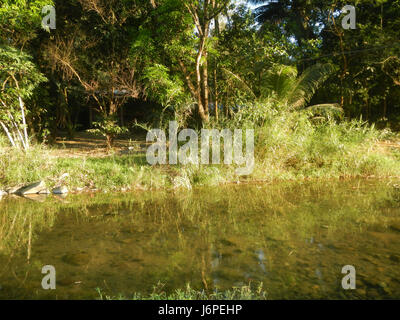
(236, 79)
(307, 84)
(272, 12)
(279, 80)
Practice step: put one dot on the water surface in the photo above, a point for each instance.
(294, 238)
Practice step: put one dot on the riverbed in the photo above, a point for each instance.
(293, 238)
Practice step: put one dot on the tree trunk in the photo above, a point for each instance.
(384, 108)
(122, 116)
(109, 141)
(216, 93)
(21, 104)
(217, 33)
(8, 134)
(205, 84)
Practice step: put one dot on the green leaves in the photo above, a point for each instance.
(282, 84)
(161, 87)
(21, 19)
(307, 84)
(18, 75)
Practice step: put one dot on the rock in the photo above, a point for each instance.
(65, 281)
(14, 190)
(65, 175)
(226, 243)
(61, 197)
(60, 190)
(36, 197)
(3, 193)
(77, 259)
(44, 191)
(31, 188)
(382, 238)
(395, 226)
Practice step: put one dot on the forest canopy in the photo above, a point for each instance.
(110, 64)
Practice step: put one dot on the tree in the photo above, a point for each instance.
(94, 53)
(296, 17)
(178, 36)
(20, 21)
(19, 77)
(364, 85)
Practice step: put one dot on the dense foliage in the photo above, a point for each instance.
(194, 60)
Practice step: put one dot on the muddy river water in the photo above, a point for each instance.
(294, 238)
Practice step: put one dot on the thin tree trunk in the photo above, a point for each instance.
(90, 117)
(8, 134)
(339, 33)
(384, 108)
(200, 101)
(217, 33)
(205, 84)
(21, 104)
(17, 129)
(19, 134)
(122, 116)
(216, 93)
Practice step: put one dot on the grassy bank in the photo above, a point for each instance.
(188, 293)
(288, 146)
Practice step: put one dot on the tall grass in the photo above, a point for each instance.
(288, 145)
(297, 145)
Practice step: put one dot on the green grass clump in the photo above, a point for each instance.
(289, 145)
(188, 293)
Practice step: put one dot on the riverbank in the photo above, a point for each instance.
(284, 150)
(115, 172)
(250, 292)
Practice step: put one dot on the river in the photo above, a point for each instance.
(293, 238)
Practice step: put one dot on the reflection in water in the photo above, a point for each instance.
(294, 238)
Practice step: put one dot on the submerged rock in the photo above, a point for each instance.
(44, 191)
(226, 243)
(36, 197)
(32, 188)
(395, 226)
(77, 259)
(60, 190)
